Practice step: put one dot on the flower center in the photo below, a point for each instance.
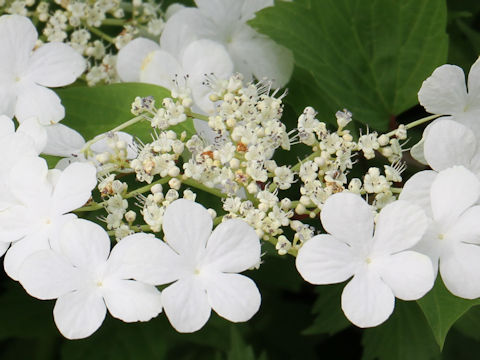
(441, 236)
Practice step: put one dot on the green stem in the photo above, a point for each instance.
(141, 190)
(415, 123)
(196, 116)
(136, 228)
(100, 34)
(200, 186)
(146, 188)
(114, 22)
(130, 122)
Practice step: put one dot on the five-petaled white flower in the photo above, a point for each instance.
(449, 143)
(381, 264)
(445, 93)
(225, 21)
(144, 60)
(204, 266)
(25, 75)
(452, 239)
(85, 280)
(43, 199)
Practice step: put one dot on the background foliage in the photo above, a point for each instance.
(369, 56)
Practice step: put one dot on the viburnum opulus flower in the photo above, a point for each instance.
(202, 267)
(445, 93)
(25, 75)
(225, 21)
(449, 143)
(176, 71)
(452, 239)
(379, 263)
(43, 200)
(79, 272)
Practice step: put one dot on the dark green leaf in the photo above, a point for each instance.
(469, 323)
(405, 336)
(442, 309)
(95, 110)
(368, 56)
(329, 315)
(117, 340)
(239, 350)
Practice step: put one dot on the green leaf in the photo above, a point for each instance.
(95, 110)
(329, 315)
(404, 336)
(24, 316)
(118, 340)
(469, 323)
(442, 309)
(239, 350)
(367, 56)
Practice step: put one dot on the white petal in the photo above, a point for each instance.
(234, 297)
(48, 275)
(102, 144)
(187, 239)
(85, 244)
(36, 132)
(7, 127)
(259, 55)
(444, 92)
(15, 223)
(130, 300)
(400, 225)
(160, 68)
(200, 58)
(8, 98)
(474, 86)
(21, 250)
(183, 27)
(366, 300)
(453, 191)
(348, 218)
(417, 190)
(74, 187)
(467, 227)
(325, 260)
(63, 140)
(186, 305)
(17, 39)
(131, 56)
(449, 143)
(34, 100)
(33, 194)
(409, 274)
(55, 64)
(233, 247)
(460, 269)
(417, 152)
(143, 257)
(4, 247)
(79, 314)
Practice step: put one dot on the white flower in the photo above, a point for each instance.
(224, 21)
(450, 143)
(27, 141)
(380, 263)
(24, 75)
(85, 280)
(452, 240)
(68, 143)
(145, 61)
(43, 199)
(445, 93)
(203, 267)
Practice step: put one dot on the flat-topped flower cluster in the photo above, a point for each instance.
(388, 237)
